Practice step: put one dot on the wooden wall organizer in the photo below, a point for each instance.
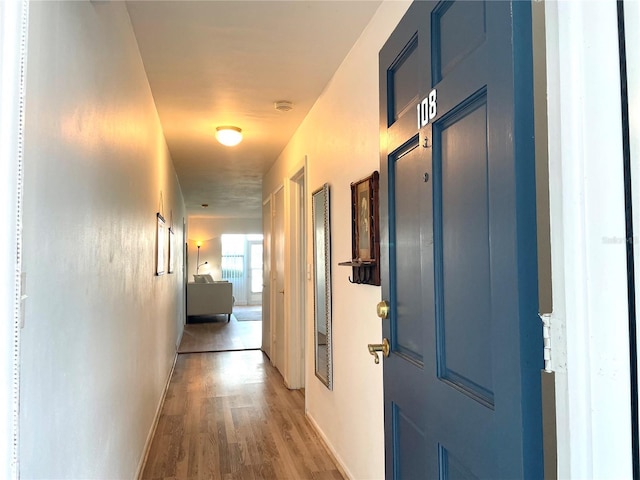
(365, 231)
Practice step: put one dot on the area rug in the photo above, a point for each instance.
(250, 313)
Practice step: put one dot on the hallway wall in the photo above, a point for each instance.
(340, 136)
(100, 329)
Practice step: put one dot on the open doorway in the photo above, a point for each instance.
(241, 264)
(234, 259)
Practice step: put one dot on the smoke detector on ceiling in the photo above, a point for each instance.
(283, 106)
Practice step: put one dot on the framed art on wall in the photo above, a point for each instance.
(365, 231)
(361, 196)
(160, 245)
(364, 215)
(172, 250)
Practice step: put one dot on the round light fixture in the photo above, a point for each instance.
(228, 135)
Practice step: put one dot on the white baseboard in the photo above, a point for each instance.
(152, 431)
(342, 468)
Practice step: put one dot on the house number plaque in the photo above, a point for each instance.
(427, 109)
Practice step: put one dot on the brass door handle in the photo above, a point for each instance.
(382, 309)
(383, 347)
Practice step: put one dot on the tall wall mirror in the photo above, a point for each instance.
(322, 285)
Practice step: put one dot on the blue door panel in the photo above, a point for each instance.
(457, 29)
(458, 256)
(452, 468)
(405, 414)
(461, 222)
(403, 79)
(408, 337)
(409, 441)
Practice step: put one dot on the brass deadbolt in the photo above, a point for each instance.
(382, 309)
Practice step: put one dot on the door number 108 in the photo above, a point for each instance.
(427, 109)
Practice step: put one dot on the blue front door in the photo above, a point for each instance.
(462, 381)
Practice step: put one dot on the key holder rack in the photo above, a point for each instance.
(365, 231)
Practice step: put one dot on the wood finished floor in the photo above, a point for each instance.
(219, 335)
(228, 415)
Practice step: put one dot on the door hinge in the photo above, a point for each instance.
(546, 337)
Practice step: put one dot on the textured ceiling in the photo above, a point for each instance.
(212, 63)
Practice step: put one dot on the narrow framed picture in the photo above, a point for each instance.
(364, 215)
(161, 239)
(172, 250)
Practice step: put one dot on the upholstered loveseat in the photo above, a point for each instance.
(209, 297)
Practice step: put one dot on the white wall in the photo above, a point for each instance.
(340, 136)
(101, 329)
(13, 25)
(209, 231)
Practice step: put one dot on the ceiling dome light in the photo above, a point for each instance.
(228, 135)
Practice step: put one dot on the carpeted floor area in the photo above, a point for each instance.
(249, 313)
(214, 334)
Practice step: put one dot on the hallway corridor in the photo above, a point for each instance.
(228, 415)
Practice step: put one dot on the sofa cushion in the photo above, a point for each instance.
(206, 278)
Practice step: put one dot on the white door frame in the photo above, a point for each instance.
(589, 323)
(295, 273)
(277, 362)
(267, 265)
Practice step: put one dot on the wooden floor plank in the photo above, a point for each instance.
(228, 416)
(215, 334)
